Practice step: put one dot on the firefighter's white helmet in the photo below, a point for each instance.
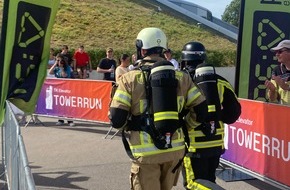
(151, 37)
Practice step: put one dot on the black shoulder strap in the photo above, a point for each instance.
(187, 143)
(147, 89)
(127, 146)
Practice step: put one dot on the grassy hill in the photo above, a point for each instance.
(98, 24)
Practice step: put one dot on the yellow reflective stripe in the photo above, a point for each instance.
(220, 90)
(142, 137)
(191, 149)
(178, 74)
(200, 133)
(193, 185)
(192, 95)
(123, 97)
(160, 116)
(160, 68)
(206, 144)
(211, 108)
(150, 149)
(227, 85)
(143, 105)
(180, 103)
(189, 174)
(147, 147)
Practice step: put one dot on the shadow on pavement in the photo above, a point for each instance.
(59, 179)
(82, 127)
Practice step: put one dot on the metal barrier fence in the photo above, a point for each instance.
(17, 170)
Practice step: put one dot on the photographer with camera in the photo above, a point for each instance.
(61, 69)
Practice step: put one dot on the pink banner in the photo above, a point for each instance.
(260, 140)
(72, 98)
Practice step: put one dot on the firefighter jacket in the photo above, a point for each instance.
(130, 101)
(204, 146)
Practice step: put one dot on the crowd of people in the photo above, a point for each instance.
(76, 66)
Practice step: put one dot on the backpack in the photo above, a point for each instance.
(161, 93)
(165, 119)
(206, 79)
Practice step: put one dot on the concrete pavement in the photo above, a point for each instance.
(63, 157)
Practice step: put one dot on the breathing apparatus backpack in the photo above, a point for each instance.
(162, 119)
(206, 78)
(161, 89)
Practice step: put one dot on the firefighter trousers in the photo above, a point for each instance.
(157, 176)
(199, 168)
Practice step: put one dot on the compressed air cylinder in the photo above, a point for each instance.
(206, 79)
(164, 97)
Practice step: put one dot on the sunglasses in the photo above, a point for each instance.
(281, 51)
(60, 61)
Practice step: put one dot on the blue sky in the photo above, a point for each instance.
(217, 7)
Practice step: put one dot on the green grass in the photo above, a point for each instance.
(98, 24)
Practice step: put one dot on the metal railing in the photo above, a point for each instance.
(14, 159)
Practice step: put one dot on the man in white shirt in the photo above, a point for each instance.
(168, 57)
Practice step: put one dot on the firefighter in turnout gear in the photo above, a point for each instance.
(207, 140)
(147, 99)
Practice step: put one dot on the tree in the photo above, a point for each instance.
(232, 13)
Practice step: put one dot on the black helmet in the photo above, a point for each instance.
(193, 51)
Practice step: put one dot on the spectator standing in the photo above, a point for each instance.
(123, 67)
(279, 86)
(51, 59)
(207, 139)
(108, 65)
(168, 57)
(61, 69)
(154, 168)
(69, 59)
(134, 58)
(134, 63)
(67, 56)
(81, 62)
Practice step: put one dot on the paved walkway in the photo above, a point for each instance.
(63, 157)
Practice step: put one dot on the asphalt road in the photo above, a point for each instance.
(63, 157)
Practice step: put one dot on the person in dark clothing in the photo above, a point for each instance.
(108, 65)
(207, 140)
